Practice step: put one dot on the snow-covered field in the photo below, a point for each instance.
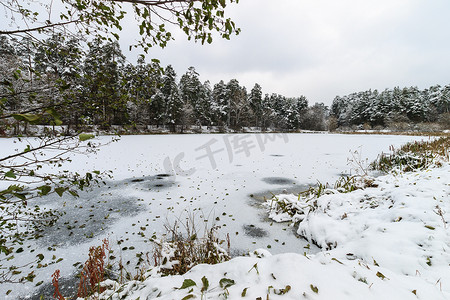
(393, 243)
(222, 180)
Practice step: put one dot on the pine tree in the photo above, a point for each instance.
(173, 103)
(237, 103)
(255, 101)
(315, 117)
(158, 110)
(59, 57)
(416, 106)
(11, 66)
(141, 83)
(298, 108)
(58, 62)
(220, 105)
(102, 83)
(267, 113)
(206, 104)
(174, 108)
(191, 90)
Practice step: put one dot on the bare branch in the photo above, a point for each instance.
(10, 32)
(44, 146)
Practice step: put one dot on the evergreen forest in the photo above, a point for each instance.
(94, 84)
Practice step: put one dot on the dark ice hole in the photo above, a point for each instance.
(253, 231)
(278, 180)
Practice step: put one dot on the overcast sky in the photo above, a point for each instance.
(319, 48)
(324, 48)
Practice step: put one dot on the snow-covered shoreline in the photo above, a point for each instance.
(389, 242)
(41, 130)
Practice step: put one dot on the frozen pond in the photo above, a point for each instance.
(218, 179)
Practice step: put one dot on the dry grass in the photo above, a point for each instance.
(55, 282)
(414, 156)
(91, 275)
(93, 271)
(409, 133)
(183, 251)
(186, 250)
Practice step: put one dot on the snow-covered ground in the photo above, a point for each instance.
(389, 242)
(223, 179)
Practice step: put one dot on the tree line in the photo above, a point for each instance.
(95, 85)
(392, 107)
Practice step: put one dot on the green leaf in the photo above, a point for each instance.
(30, 118)
(205, 284)
(244, 292)
(85, 136)
(187, 283)
(226, 283)
(30, 277)
(379, 274)
(13, 188)
(282, 291)
(27, 149)
(335, 259)
(60, 191)
(44, 190)
(430, 227)
(5, 250)
(57, 122)
(74, 193)
(315, 289)
(190, 296)
(16, 74)
(55, 115)
(20, 196)
(10, 174)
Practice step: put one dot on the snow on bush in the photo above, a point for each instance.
(389, 241)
